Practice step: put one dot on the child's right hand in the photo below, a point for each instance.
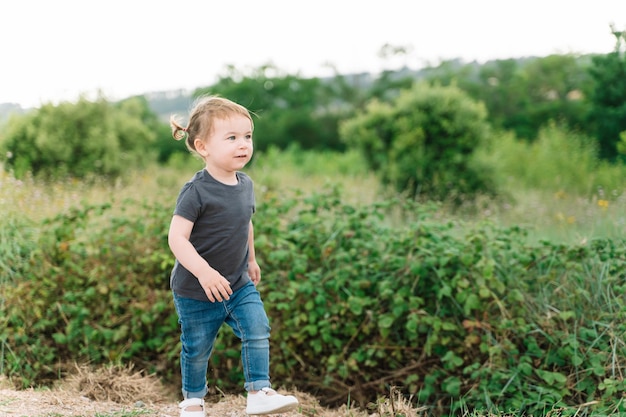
(216, 287)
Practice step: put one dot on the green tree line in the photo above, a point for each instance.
(418, 145)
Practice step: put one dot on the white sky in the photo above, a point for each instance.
(54, 50)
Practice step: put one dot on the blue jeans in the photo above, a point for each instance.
(200, 322)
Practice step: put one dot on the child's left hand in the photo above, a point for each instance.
(254, 270)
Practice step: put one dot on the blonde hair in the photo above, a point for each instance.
(204, 111)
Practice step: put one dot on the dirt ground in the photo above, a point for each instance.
(57, 403)
(122, 392)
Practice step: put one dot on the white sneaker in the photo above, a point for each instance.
(193, 404)
(268, 401)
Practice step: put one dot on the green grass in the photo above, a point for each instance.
(547, 211)
(554, 216)
(557, 187)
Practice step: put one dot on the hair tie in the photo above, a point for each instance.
(184, 129)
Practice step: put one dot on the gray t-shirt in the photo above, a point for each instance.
(221, 215)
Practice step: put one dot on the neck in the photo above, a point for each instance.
(228, 178)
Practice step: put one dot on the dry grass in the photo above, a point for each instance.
(115, 383)
(121, 391)
(35, 200)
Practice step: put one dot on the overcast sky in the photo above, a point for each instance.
(56, 50)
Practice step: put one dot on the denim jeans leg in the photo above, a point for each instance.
(200, 322)
(250, 324)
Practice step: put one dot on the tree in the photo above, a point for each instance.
(423, 142)
(523, 95)
(608, 101)
(80, 139)
(290, 110)
(621, 146)
(553, 91)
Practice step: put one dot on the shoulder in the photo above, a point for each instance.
(197, 177)
(191, 184)
(195, 190)
(244, 178)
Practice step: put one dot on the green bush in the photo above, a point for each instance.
(17, 246)
(96, 291)
(454, 314)
(424, 141)
(82, 139)
(460, 316)
(558, 161)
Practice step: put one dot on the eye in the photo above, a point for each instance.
(248, 137)
(231, 138)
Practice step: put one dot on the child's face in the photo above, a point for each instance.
(229, 146)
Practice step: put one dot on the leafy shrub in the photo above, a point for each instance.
(423, 142)
(453, 313)
(558, 162)
(558, 159)
(96, 291)
(16, 247)
(80, 139)
(459, 316)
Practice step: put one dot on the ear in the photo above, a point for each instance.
(200, 147)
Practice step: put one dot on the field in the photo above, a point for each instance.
(127, 393)
(549, 213)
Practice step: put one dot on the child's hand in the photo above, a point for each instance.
(216, 287)
(254, 271)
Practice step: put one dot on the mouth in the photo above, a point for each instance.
(241, 156)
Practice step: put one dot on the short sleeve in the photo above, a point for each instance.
(188, 204)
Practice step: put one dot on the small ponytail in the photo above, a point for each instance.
(178, 132)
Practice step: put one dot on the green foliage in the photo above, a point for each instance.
(290, 109)
(423, 142)
(608, 101)
(621, 146)
(307, 163)
(558, 160)
(16, 247)
(525, 95)
(93, 292)
(554, 89)
(451, 313)
(80, 139)
(460, 316)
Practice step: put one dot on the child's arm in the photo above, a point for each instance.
(214, 284)
(253, 267)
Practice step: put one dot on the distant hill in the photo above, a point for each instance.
(163, 103)
(166, 103)
(7, 109)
